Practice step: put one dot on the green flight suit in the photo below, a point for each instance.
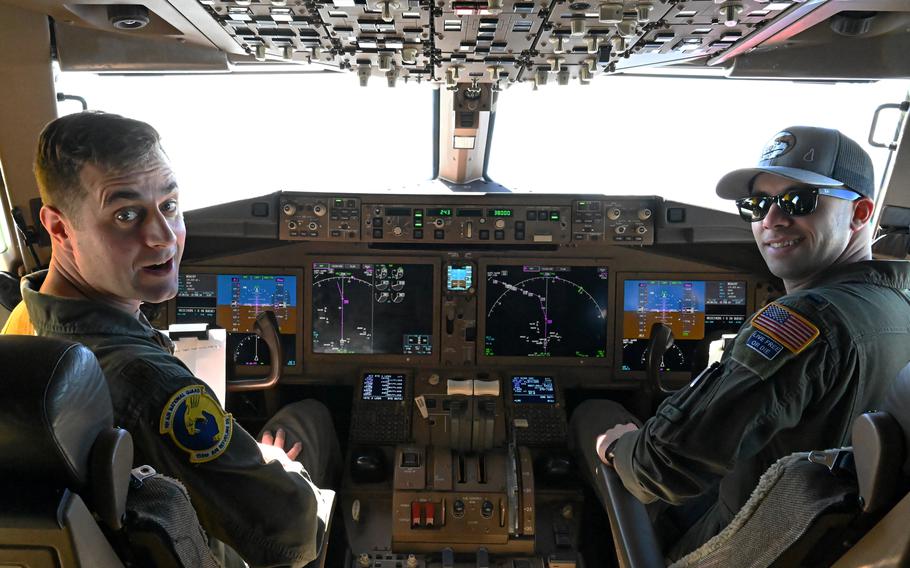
(265, 513)
(777, 390)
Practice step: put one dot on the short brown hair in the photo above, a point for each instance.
(109, 141)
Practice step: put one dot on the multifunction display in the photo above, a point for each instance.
(546, 311)
(697, 312)
(533, 390)
(383, 387)
(372, 308)
(233, 301)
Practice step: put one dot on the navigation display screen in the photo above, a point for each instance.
(533, 390)
(372, 308)
(546, 311)
(383, 387)
(233, 301)
(697, 311)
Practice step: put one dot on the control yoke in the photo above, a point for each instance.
(660, 341)
(266, 327)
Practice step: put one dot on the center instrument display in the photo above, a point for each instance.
(546, 311)
(697, 312)
(233, 301)
(372, 308)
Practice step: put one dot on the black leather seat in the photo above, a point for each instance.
(60, 456)
(879, 465)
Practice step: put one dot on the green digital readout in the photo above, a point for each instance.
(499, 213)
(439, 212)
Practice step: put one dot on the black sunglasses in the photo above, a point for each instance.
(794, 202)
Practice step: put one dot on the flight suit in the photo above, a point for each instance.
(265, 513)
(797, 375)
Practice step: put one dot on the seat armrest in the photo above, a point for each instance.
(633, 535)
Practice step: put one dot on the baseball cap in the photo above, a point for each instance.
(820, 157)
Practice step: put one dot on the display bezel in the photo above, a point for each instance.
(497, 360)
(241, 371)
(374, 359)
(620, 281)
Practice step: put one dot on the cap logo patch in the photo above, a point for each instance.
(197, 424)
(810, 156)
(782, 143)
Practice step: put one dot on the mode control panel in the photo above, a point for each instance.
(319, 218)
(464, 224)
(615, 221)
(569, 220)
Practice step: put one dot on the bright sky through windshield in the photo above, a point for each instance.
(237, 136)
(671, 137)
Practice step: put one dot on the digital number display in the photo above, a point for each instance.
(499, 213)
(439, 212)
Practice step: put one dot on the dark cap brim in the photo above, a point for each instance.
(736, 184)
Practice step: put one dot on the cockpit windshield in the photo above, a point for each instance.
(241, 135)
(667, 136)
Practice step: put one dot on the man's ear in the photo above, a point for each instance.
(57, 226)
(862, 213)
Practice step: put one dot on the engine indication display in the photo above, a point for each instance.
(233, 301)
(372, 308)
(697, 312)
(546, 311)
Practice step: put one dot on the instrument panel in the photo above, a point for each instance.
(531, 313)
(466, 328)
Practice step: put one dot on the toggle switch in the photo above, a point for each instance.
(415, 515)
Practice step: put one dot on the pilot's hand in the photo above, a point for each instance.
(269, 443)
(607, 438)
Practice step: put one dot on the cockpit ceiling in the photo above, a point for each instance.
(496, 41)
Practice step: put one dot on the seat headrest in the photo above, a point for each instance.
(54, 401)
(897, 404)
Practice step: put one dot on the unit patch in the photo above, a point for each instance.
(764, 345)
(785, 326)
(197, 424)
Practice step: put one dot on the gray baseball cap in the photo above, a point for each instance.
(819, 157)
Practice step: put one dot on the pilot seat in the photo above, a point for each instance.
(69, 497)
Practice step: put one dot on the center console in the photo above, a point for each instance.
(443, 467)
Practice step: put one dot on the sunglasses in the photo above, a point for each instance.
(794, 202)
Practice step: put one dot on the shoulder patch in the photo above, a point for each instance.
(785, 327)
(197, 423)
(764, 345)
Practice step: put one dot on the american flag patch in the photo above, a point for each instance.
(786, 326)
